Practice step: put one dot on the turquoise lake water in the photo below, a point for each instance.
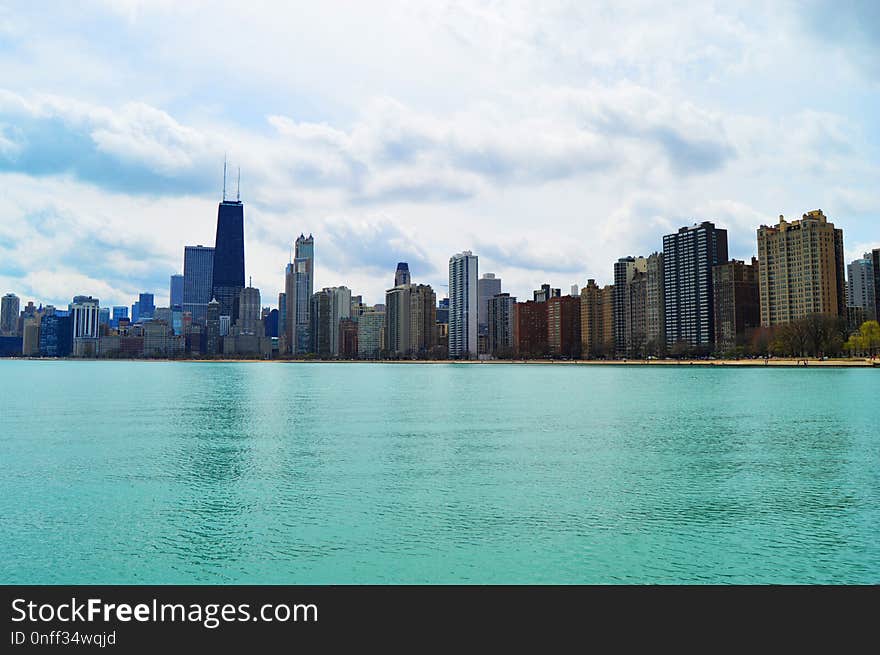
(160, 472)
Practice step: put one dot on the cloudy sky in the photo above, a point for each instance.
(550, 137)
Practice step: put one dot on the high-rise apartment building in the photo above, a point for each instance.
(688, 258)
(463, 305)
(340, 308)
(56, 335)
(198, 281)
(212, 328)
(530, 329)
(655, 305)
(320, 323)
(488, 286)
(298, 288)
(84, 312)
(590, 321)
(397, 322)
(800, 269)
(370, 332)
(422, 319)
(30, 335)
(410, 320)
(84, 319)
(348, 332)
(860, 285)
(737, 304)
(875, 265)
(597, 320)
(635, 315)
(9, 308)
(282, 317)
(624, 270)
(501, 316)
(564, 326)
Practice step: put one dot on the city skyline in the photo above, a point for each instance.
(191, 253)
(569, 133)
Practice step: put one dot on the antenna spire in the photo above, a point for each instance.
(224, 177)
(238, 187)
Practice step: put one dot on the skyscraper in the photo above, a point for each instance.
(875, 264)
(624, 270)
(56, 335)
(282, 317)
(737, 304)
(84, 319)
(249, 321)
(860, 285)
(655, 305)
(422, 319)
(635, 313)
(9, 308)
(228, 279)
(118, 312)
(688, 258)
(320, 324)
(800, 269)
(564, 326)
(530, 329)
(270, 323)
(500, 316)
(348, 332)
(299, 283)
(401, 275)
(488, 286)
(463, 305)
(340, 308)
(176, 291)
(593, 339)
(212, 328)
(370, 328)
(198, 276)
(146, 306)
(397, 322)
(410, 320)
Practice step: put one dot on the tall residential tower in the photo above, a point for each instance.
(298, 289)
(800, 269)
(688, 258)
(463, 312)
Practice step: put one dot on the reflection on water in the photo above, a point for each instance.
(309, 473)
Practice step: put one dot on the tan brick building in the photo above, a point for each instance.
(800, 269)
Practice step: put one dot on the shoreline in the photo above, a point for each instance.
(786, 362)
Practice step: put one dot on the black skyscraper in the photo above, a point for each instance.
(688, 258)
(229, 257)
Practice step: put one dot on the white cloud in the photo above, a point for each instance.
(557, 136)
